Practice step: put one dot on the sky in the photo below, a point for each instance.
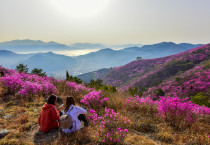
(106, 21)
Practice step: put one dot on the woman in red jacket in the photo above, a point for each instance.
(49, 116)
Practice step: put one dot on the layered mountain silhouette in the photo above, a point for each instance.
(28, 45)
(56, 65)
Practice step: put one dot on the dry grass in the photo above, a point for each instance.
(165, 137)
(22, 116)
(138, 140)
(81, 137)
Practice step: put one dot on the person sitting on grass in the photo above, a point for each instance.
(49, 115)
(77, 115)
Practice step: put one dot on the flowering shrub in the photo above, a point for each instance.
(187, 84)
(94, 99)
(132, 103)
(30, 88)
(27, 84)
(136, 100)
(180, 113)
(77, 87)
(12, 83)
(48, 88)
(110, 127)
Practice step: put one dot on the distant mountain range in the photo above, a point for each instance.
(31, 45)
(28, 45)
(56, 65)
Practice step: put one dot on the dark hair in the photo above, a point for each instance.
(2, 74)
(52, 99)
(69, 101)
(59, 100)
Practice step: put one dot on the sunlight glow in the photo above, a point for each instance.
(80, 8)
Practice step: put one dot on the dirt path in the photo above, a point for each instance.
(36, 137)
(135, 138)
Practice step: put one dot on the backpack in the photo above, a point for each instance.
(65, 120)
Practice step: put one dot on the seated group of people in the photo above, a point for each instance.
(51, 112)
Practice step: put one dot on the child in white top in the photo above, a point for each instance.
(74, 112)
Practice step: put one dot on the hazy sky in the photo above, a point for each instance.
(106, 21)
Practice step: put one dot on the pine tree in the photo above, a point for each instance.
(67, 75)
(21, 68)
(38, 72)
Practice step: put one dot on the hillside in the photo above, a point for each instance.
(86, 78)
(9, 58)
(193, 82)
(51, 62)
(150, 72)
(115, 117)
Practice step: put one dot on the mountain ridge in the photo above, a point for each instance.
(104, 58)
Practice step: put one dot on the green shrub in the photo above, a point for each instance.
(108, 88)
(135, 91)
(174, 66)
(201, 99)
(160, 92)
(38, 72)
(72, 78)
(97, 84)
(206, 65)
(178, 79)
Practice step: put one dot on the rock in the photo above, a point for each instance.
(1, 112)
(4, 132)
(9, 116)
(35, 110)
(147, 128)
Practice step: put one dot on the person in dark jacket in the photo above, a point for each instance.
(49, 115)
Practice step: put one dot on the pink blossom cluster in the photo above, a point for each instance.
(112, 126)
(136, 101)
(191, 82)
(176, 110)
(94, 99)
(27, 84)
(12, 83)
(77, 87)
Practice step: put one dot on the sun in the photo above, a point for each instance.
(80, 8)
